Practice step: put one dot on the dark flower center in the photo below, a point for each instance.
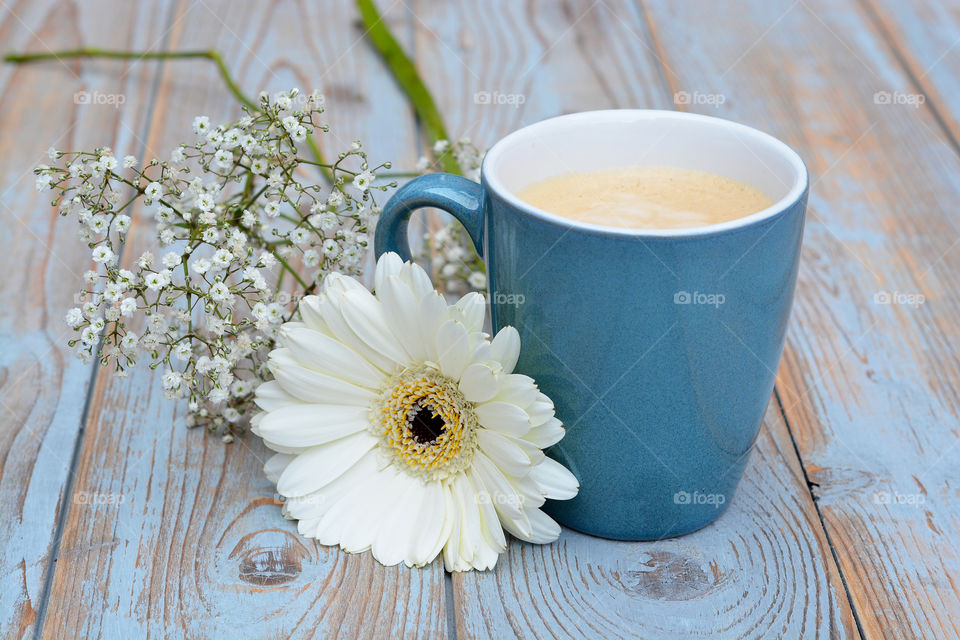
(426, 425)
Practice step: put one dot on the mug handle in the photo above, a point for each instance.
(461, 198)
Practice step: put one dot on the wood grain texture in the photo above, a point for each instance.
(765, 569)
(189, 541)
(869, 378)
(925, 37)
(43, 386)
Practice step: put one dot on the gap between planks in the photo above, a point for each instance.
(68, 489)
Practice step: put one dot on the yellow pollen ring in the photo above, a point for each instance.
(425, 389)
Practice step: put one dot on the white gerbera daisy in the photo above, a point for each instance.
(402, 429)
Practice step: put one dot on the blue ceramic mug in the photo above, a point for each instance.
(659, 347)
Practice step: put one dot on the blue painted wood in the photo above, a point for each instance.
(43, 387)
(869, 378)
(193, 543)
(764, 568)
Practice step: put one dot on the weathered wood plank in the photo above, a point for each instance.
(869, 377)
(194, 545)
(926, 38)
(765, 568)
(762, 570)
(43, 386)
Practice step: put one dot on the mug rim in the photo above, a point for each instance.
(797, 190)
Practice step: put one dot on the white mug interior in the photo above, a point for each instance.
(594, 140)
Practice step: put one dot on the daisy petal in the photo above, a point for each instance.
(433, 313)
(314, 505)
(492, 531)
(403, 310)
(508, 454)
(503, 417)
(417, 279)
(555, 480)
(467, 503)
(389, 264)
(431, 522)
(339, 328)
(506, 348)
(547, 434)
(543, 528)
(398, 528)
(309, 308)
(541, 410)
(470, 310)
(453, 348)
(517, 389)
(270, 396)
(364, 314)
(307, 425)
(503, 495)
(478, 383)
(352, 520)
(313, 386)
(275, 465)
(320, 465)
(328, 355)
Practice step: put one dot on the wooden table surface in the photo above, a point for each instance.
(846, 523)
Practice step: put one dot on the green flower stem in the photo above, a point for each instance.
(409, 80)
(211, 54)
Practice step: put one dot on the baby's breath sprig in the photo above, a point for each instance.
(449, 250)
(236, 213)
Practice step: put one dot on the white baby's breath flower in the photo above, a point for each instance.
(272, 209)
(205, 202)
(222, 258)
(171, 380)
(219, 292)
(335, 199)
(153, 190)
(171, 259)
(223, 158)
(200, 266)
(129, 342)
(74, 317)
(201, 125)
(477, 280)
(182, 351)
(363, 180)
(158, 280)
(127, 307)
(122, 223)
(129, 162)
(104, 255)
(430, 441)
